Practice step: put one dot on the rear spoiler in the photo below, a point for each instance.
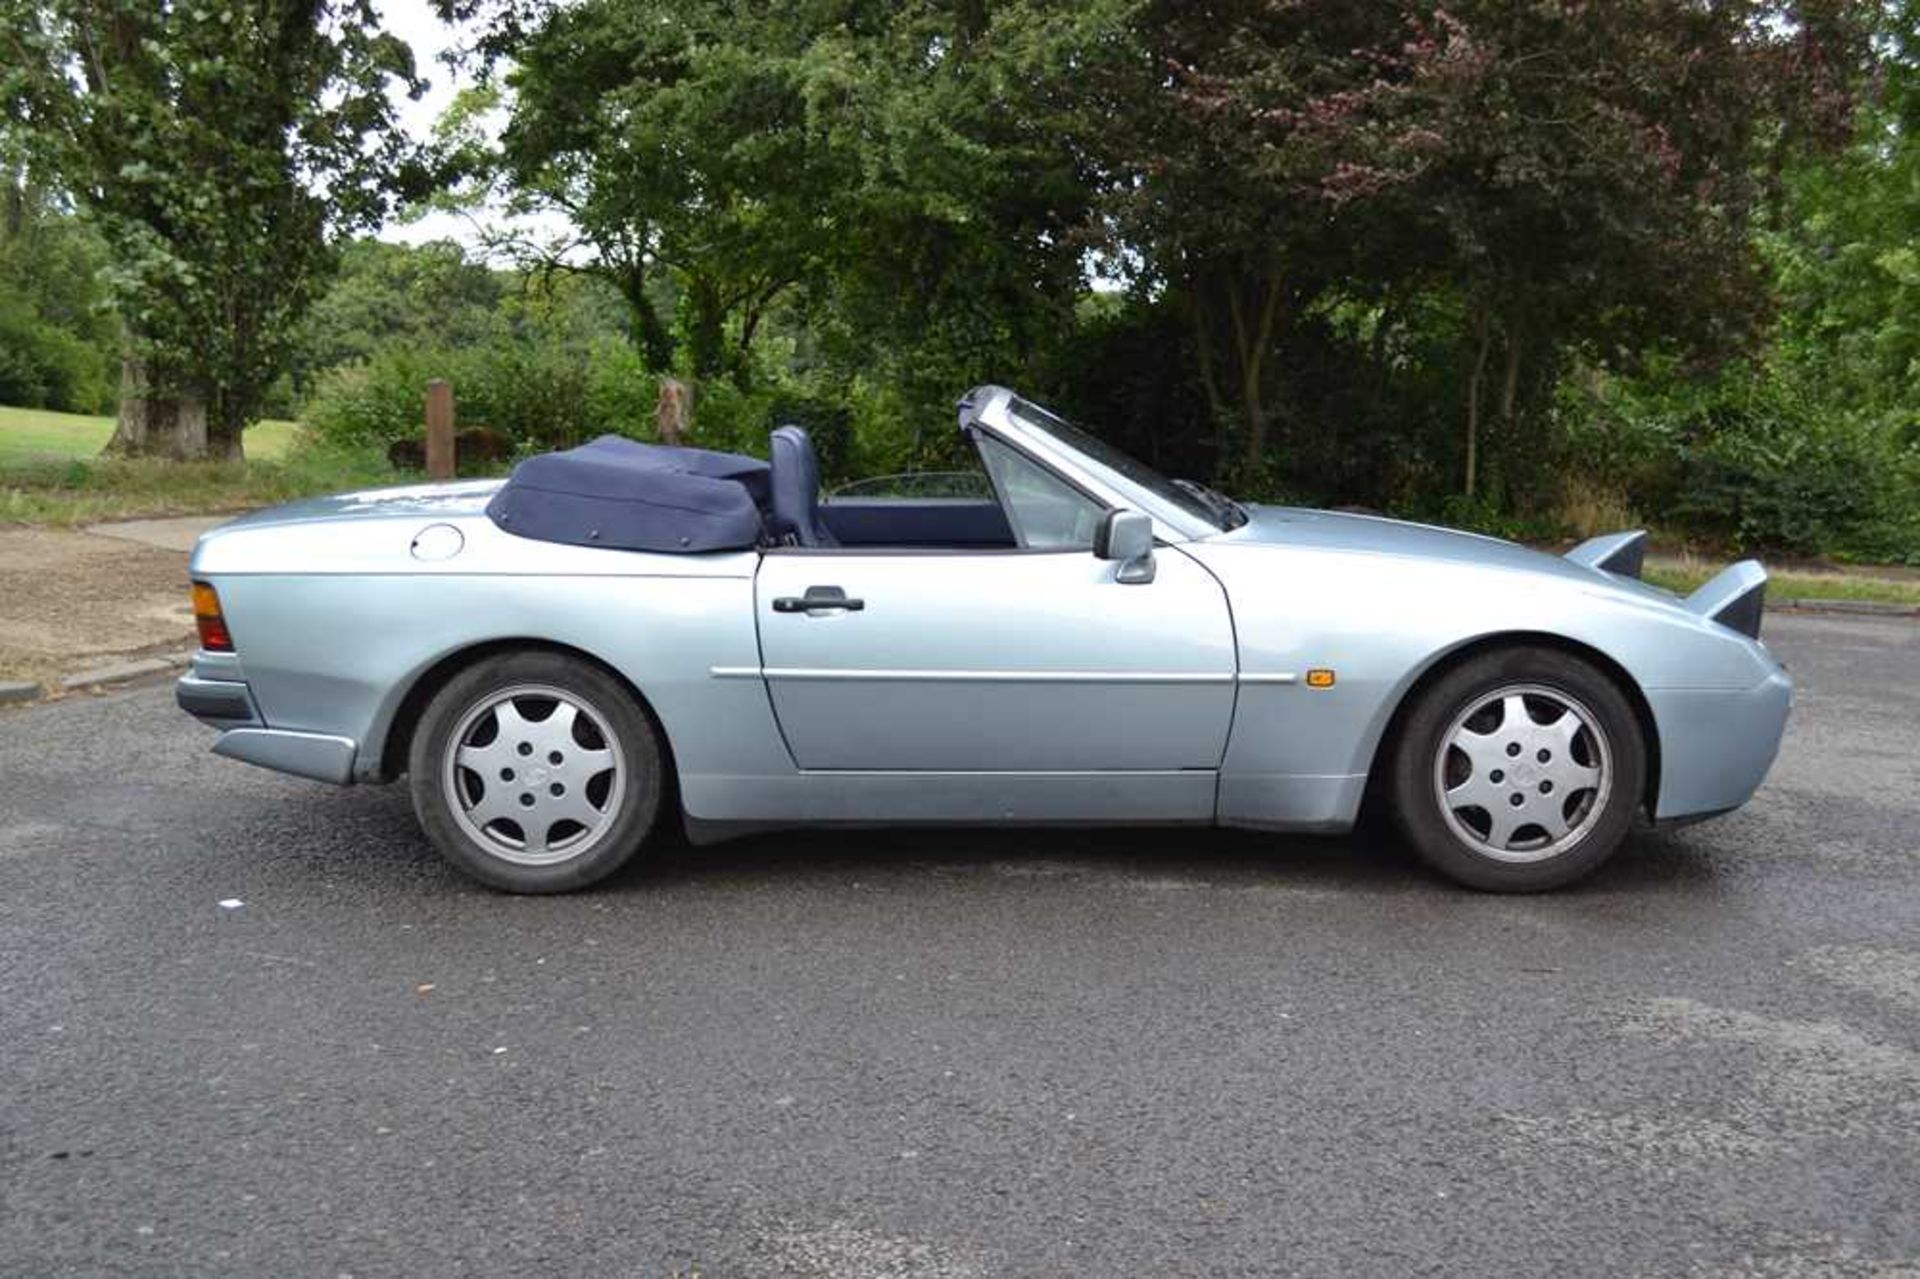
(1619, 553)
(1735, 597)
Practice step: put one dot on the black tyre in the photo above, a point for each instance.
(1518, 770)
(536, 772)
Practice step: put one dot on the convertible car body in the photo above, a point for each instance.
(625, 636)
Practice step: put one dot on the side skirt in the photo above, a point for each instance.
(850, 797)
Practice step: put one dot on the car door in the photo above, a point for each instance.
(1029, 660)
(995, 661)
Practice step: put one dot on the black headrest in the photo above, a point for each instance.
(796, 488)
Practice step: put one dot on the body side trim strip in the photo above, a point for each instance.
(998, 677)
(812, 673)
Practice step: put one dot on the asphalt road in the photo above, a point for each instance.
(987, 1053)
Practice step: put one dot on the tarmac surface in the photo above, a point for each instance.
(251, 1025)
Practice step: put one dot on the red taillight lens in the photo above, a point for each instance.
(207, 616)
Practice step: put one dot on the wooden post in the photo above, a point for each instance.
(440, 459)
(671, 411)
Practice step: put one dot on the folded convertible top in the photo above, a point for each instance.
(620, 493)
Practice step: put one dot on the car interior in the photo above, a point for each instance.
(801, 517)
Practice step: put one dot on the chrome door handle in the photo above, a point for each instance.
(818, 598)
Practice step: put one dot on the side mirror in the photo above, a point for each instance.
(1126, 536)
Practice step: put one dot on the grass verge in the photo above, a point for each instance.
(1799, 586)
(35, 437)
(51, 473)
(75, 492)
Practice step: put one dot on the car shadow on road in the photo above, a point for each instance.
(1371, 860)
(1133, 853)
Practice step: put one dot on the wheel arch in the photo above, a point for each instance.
(398, 738)
(1449, 659)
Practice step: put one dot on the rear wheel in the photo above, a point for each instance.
(536, 772)
(1518, 770)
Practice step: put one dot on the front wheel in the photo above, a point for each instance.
(536, 772)
(1518, 770)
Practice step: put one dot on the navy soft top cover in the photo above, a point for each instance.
(638, 497)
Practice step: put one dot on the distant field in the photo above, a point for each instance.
(51, 473)
(35, 435)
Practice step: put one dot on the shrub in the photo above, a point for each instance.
(541, 395)
(45, 367)
(1749, 459)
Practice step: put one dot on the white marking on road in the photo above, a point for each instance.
(839, 1248)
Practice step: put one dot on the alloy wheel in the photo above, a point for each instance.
(535, 774)
(1523, 773)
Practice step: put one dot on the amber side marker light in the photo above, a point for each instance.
(208, 618)
(1320, 677)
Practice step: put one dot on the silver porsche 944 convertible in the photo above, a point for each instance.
(623, 641)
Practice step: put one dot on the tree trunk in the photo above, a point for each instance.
(1509, 410)
(224, 432)
(650, 336)
(156, 423)
(1252, 347)
(706, 328)
(1255, 413)
(1193, 302)
(224, 442)
(1510, 385)
(1483, 341)
(970, 21)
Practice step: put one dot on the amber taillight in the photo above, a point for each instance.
(207, 616)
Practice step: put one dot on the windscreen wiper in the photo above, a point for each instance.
(1230, 512)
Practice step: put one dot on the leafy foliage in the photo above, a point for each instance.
(1752, 456)
(1575, 175)
(219, 146)
(1846, 250)
(1529, 266)
(756, 155)
(55, 337)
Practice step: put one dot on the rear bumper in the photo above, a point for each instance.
(1717, 745)
(221, 703)
(215, 693)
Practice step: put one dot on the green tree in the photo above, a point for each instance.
(220, 146)
(1574, 173)
(1846, 248)
(393, 294)
(56, 337)
(854, 160)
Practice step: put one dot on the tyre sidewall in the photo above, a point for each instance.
(1418, 809)
(639, 744)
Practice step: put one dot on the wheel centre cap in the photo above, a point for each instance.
(536, 775)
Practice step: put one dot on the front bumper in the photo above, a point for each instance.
(215, 692)
(1716, 745)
